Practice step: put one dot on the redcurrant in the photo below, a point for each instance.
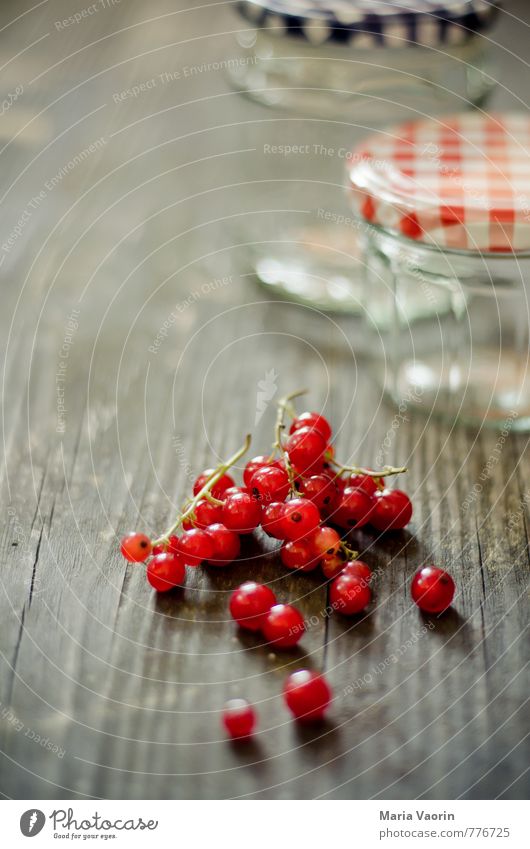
(219, 486)
(392, 510)
(165, 571)
(432, 589)
(332, 566)
(354, 510)
(195, 546)
(206, 513)
(349, 594)
(271, 520)
(325, 542)
(312, 420)
(322, 491)
(299, 554)
(359, 569)
(239, 718)
(300, 517)
(225, 543)
(306, 448)
(258, 463)
(283, 626)
(366, 482)
(250, 603)
(270, 484)
(241, 513)
(307, 695)
(136, 547)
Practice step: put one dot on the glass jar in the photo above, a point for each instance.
(445, 214)
(339, 66)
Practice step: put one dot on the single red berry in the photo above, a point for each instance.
(307, 695)
(300, 517)
(241, 513)
(354, 510)
(234, 490)
(219, 486)
(206, 513)
(258, 463)
(312, 420)
(136, 547)
(359, 569)
(271, 519)
(392, 510)
(325, 541)
(283, 626)
(366, 482)
(270, 484)
(173, 545)
(250, 603)
(299, 554)
(306, 448)
(165, 571)
(348, 594)
(159, 549)
(225, 543)
(432, 589)
(332, 566)
(322, 491)
(195, 547)
(239, 718)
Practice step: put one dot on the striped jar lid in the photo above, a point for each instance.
(372, 23)
(461, 182)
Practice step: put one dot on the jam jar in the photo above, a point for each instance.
(444, 210)
(335, 69)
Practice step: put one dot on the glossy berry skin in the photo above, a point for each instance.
(307, 695)
(283, 626)
(225, 543)
(306, 448)
(206, 514)
(349, 594)
(136, 547)
(218, 488)
(312, 420)
(239, 718)
(300, 517)
(271, 519)
(241, 513)
(171, 545)
(332, 566)
(195, 546)
(270, 484)
(366, 483)
(432, 589)
(359, 569)
(325, 541)
(354, 510)
(166, 571)
(322, 491)
(392, 510)
(250, 603)
(299, 555)
(258, 463)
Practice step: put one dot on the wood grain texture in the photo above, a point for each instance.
(135, 238)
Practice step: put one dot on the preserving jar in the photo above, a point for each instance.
(444, 207)
(341, 67)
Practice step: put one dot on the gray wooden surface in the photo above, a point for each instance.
(105, 689)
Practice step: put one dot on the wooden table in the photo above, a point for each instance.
(119, 209)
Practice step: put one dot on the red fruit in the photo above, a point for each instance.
(312, 420)
(299, 555)
(258, 463)
(239, 718)
(325, 542)
(354, 510)
(392, 510)
(283, 626)
(219, 486)
(359, 569)
(250, 603)
(173, 545)
(136, 547)
(349, 594)
(225, 543)
(241, 513)
(332, 566)
(306, 448)
(195, 546)
(432, 589)
(165, 571)
(307, 695)
(300, 517)
(366, 483)
(322, 491)
(271, 519)
(206, 514)
(270, 484)
(159, 549)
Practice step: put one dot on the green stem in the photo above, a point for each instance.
(283, 405)
(359, 470)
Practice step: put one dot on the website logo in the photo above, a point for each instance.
(32, 822)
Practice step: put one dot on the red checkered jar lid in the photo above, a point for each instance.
(462, 182)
